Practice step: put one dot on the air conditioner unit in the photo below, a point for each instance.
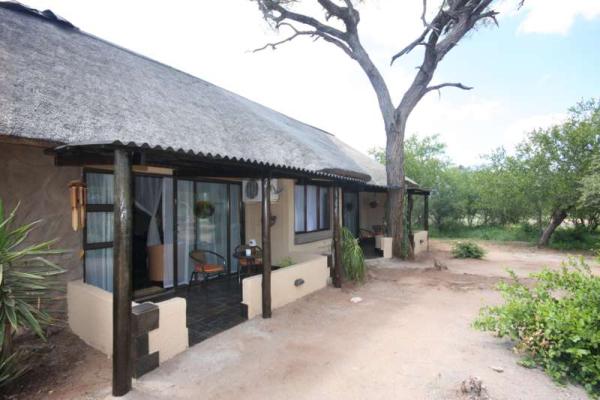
(252, 191)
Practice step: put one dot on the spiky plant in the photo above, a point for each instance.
(353, 258)
(28, 284)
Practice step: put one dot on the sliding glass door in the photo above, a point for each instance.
(350, 212)
(208, 218)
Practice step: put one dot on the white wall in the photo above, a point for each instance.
(282, 233)
(311, 268)
(90, 318)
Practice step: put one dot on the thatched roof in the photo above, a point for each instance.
(58, 83)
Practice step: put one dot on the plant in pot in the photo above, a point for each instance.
(204, 209)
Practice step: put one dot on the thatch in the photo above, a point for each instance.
(60, 84)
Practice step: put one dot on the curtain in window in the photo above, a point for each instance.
(98, 268)
(350, 210)
(99, 231)
(311, 208)
(236, 224)
(299, 208)
(185, 229)
(211, 232)
(148, 193)
(100, 189)
(167, 213)
(323, 208)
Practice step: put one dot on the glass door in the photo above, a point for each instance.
(209, 217)
(350, 212)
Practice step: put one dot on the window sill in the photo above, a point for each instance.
(303, 238)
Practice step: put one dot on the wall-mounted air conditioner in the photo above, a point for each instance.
(252, 191)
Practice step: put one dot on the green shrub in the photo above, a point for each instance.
(286, 262)
(555, 324)
(467, 250)
(353, 258)
(27, 287)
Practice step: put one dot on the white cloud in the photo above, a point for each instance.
(556, 16)
(516, 131)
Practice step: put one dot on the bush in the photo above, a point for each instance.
(28, 286)
(467, 250)
(556, 324)
(353, 258)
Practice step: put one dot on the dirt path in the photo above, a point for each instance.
(410, 338)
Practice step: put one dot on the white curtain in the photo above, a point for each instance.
(167, 212)
(185, 229)
(148, 192)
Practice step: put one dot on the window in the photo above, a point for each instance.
(311, 205)
(98, 238)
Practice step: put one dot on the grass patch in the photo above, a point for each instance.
(563, 238)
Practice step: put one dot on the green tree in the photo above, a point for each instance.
(558, 158)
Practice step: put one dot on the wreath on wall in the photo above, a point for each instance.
(204, 209)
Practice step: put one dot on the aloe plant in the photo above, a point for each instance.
(353, 258)
(28, 284)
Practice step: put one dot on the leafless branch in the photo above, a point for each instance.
(443, 85)
(288, 39)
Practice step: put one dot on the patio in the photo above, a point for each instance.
(211, 308)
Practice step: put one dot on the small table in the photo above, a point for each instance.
(250, 262)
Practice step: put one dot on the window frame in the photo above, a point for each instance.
(319, 187)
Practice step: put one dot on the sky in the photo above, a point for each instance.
(526, 73)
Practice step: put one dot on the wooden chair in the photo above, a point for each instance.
(201, 266)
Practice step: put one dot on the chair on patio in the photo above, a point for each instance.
(203, 267)
(254, 260)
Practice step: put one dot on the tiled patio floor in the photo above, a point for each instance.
(211, 308)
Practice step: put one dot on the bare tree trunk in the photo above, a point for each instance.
(558, 217)
(395, 179)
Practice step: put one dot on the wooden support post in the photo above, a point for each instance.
(123, 218)
(337, 241)
(266, 247)
(411, 238)
(426, 212)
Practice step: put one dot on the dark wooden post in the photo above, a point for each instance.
(266, 247)
(426, 212)
(337, 241)
(411, 238)
(123, 217)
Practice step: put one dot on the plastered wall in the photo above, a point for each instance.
(29, 177)
(282, 233)
(312, 269)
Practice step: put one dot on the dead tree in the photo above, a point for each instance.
(452, 21)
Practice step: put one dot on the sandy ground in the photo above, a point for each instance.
(410, 338)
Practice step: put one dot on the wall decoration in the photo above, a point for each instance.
(78, 197)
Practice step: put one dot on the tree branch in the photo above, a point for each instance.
(443, 85)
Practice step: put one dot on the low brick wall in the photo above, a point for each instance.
(286, 286)
(90, 318)
(421, 239)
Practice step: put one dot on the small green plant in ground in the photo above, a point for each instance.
(555, 324)
(286, 262)
(353, 258)
(27, 286)
(467, 250)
